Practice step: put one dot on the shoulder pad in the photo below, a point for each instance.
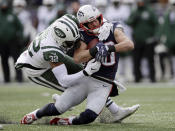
(117, 25)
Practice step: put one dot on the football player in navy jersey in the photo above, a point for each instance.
(101, 40)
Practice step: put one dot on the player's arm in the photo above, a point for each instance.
(124, 43)
(82, 54)
(66, 80)
(61, 74)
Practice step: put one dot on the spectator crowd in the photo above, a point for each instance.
(149, 23)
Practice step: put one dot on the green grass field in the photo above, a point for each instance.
(157, 111)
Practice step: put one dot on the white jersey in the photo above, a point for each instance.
(42, 50)
(48, 47)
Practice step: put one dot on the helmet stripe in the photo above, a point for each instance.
(73, 18)
(64, 22)
(72, 24)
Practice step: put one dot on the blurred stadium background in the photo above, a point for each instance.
(156, 43)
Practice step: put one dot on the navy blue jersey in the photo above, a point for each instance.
(109, 67)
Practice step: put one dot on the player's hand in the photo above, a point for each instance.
(104, 31)
(92, 67)
(96, 48)
(104, 52)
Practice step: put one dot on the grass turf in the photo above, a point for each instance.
(157, 111)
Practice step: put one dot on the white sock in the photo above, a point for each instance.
(34, 112)
(71, 119)
(112, 106)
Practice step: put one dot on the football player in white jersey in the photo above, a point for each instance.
(110, 40)
(45, 60)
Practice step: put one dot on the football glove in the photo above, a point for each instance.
(96, 48)
(104, 31)
(104, 52)
(92, 67)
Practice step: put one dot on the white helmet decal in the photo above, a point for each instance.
(59, 32)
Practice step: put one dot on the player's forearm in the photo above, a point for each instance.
(124, 43)
(82, 56)
(124, 46)
(63, 78)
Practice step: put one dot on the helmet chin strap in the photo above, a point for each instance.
(61, 46)
(65, 47)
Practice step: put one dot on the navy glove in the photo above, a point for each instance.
(93, 51)
(103, 52)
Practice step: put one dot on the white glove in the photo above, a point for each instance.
(104, 31)
(92, 67)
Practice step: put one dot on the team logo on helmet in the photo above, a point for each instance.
(59, 32)
(80, 14)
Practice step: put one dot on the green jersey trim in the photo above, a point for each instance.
(53, 56)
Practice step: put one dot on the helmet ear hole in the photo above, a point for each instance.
(69, 44)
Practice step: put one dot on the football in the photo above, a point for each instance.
(92, 43)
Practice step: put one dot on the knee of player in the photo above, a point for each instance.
(62, 106)
(85, 117)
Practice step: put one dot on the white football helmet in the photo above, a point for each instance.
(89, 13)
(65, 31)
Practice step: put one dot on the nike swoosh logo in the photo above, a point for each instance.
(93, 69)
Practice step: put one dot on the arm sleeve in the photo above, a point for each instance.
(63, 78)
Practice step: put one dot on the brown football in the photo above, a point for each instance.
(92, 43)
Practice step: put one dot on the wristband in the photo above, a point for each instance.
(93, 51)
(85, 73)
(111, 48)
